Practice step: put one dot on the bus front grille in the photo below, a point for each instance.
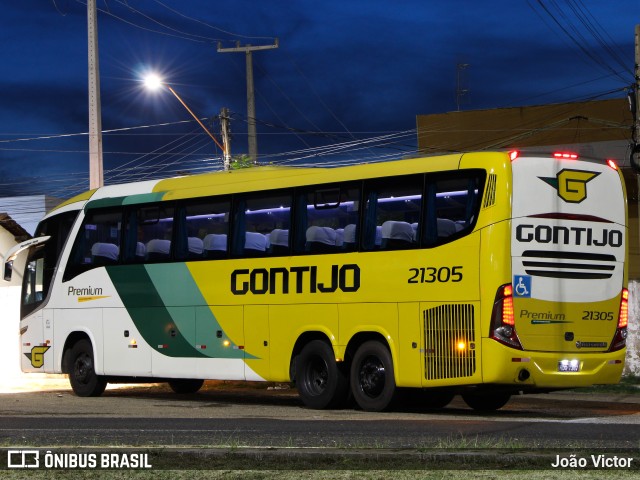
(578, 265)
(449, 342)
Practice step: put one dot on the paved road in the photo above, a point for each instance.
(237, 415)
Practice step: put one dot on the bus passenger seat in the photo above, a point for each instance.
(321, 239)
(141, 252)
(378, 239)
(196, 247)
(396, 235)
(349, 237)
(279, 241)
(215, 245)
(104, 253)
(339, 237)
(414, 227)
(255, 244)
(446, 227)
(158, 250)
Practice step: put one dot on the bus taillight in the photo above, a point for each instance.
(620, 338)
(503, 319)
(565, 155)
(612, 164)
(513, 154)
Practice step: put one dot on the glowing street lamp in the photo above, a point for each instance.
(154, 82)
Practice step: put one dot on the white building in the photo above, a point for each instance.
(28, 210)
(10, 234)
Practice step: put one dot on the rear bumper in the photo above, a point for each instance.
(504, 365)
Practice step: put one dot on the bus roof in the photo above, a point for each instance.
(258, 179)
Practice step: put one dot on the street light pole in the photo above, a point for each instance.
(224, 128)
(153, 82)
(196, 118)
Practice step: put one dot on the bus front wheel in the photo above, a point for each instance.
(372, 379)
(82, 375)
(320, 381)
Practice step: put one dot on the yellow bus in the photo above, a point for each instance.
(479, 274)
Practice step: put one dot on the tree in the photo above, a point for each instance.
(241, 161)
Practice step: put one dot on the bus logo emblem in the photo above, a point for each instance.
(571, 184)
(37, 356)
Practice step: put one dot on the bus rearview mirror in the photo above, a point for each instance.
(8, 270)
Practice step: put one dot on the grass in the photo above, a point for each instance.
(325, 475)
(629, 384)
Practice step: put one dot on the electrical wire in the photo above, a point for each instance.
(226, 32)
(575, 35)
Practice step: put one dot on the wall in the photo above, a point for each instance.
(10, 339)
(10, 313)
(632, 366)
(28, 210)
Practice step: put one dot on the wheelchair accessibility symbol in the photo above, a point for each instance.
(522, 286)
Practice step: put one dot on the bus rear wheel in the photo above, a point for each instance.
(320, 381)
(372, 379)
(81, 367)
(486, 402)
(184, 386)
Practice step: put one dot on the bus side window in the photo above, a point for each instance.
(154, 231)
(393, 210)
(258, 219)
(453, 202)
(203, 229)
(97, 243)
(327, 220)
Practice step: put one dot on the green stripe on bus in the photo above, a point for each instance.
(148, 312)
(143, 198)
(169, 312)
(104, 202)
(176, 287)
(128, 200)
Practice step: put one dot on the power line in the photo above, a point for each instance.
(577, 38)
(211, 26)
(84, 134)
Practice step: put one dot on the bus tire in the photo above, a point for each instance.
(320, 381)
(486, 402)
(185, 386)
(372, 379)
(82, 375)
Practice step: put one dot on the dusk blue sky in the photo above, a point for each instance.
(345, 84)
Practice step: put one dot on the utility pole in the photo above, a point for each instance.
(460, 90)
(251, 103)
(226, 140)
(636, 114)
(95, 118)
